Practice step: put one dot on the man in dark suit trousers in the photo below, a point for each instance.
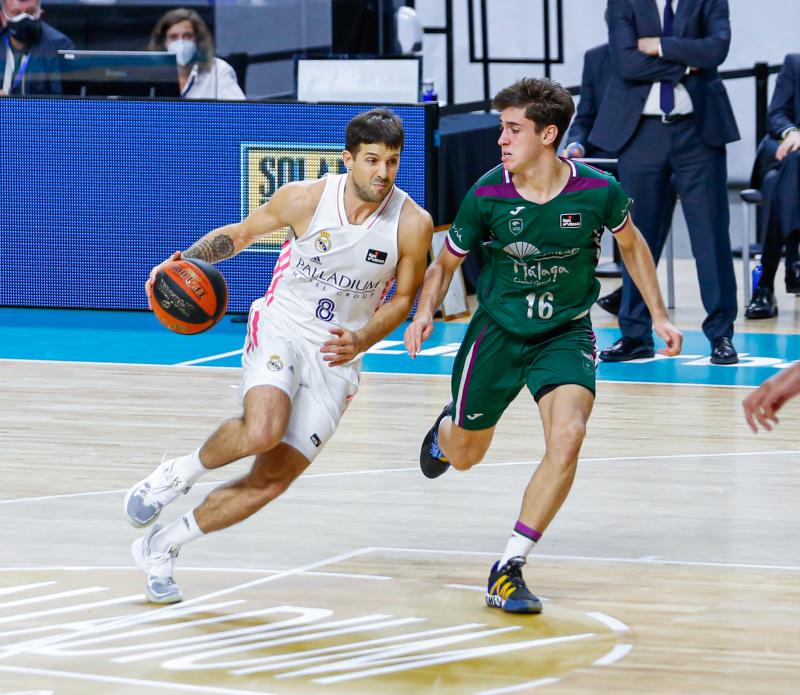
(597, 70)
(594, 80)
(777, 173)
(29, 50)
(667, 113)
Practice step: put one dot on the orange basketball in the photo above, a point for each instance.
(189, 295)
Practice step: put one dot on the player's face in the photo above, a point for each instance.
(373, 170)
(520, 144)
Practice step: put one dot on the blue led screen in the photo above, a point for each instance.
(94, 193)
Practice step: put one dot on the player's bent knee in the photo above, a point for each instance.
(263, 436)
(567, 441)
(260, 491)
(465, 458)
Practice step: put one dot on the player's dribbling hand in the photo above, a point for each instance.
(418, 331)
(343, 347)
(671, 336)
(152, 277)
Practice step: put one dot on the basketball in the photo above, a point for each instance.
(189, 296)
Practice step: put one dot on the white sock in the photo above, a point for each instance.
(521, 542)
(189, 467)
(176, 534)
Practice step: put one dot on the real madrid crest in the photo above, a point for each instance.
(275, 363)
(323, 242)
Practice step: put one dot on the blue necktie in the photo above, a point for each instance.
(667, 97)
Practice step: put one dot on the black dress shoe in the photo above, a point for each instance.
(762, 305)
(628, 349)
(723, 352)
(792, 278)
(611, 301)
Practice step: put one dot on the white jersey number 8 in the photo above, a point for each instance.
(325, 309)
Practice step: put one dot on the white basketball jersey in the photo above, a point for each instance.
(337, 273)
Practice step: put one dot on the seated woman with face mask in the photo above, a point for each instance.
(200, 74)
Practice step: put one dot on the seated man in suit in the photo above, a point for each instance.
(667, 113)
(29, 50)
(778, 169)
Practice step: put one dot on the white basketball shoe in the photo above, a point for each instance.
(145, 500)
(158, 568)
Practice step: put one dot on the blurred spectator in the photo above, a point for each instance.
(777, 173)
(29, 49)
(667, 112)
(594, 80)
(200, 74)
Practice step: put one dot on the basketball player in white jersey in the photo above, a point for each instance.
(351, 235)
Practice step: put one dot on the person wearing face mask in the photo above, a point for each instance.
(200, 74)
(29, 50)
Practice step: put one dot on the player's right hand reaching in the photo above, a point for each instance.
(152, 277)
(418, 331)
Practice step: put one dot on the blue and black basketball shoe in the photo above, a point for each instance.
(432, 460)
(507, 589)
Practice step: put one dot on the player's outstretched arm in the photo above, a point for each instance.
(413, 240)
(639, 262)
(434, 288)
(283, 209)
(762, 405)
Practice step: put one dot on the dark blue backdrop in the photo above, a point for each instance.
(94, 193)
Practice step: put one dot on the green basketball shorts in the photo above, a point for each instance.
(493, 365)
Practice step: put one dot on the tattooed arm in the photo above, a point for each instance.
(292, 205)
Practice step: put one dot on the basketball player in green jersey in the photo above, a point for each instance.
(539, 218)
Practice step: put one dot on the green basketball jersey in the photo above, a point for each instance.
(541, 259)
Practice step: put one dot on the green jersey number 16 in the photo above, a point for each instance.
(544, 309)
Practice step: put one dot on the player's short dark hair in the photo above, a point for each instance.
(545, 102)
(376, 126)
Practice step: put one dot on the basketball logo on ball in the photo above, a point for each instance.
(189, 295)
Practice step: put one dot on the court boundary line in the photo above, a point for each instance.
(185, 365)
(121, 680)
(482, 466)
(588, 558)
(129, 621)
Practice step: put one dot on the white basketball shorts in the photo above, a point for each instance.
(277, 354)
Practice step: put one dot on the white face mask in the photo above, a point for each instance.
(20, 17)
(184, 50)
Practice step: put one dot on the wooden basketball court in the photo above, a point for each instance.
(673, 567)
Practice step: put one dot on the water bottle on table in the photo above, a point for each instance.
(429, 91)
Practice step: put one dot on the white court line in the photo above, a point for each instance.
(70, 609)
(166, 611)
(481, 467)
(89, 363)
(130, 681)
(183, 365)
(520, 686)
(25, 587)
(618, 652)
(52, 597)
(592, 558)
(613, 623)
(210, 358)
(465, 586)
(204, 570)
